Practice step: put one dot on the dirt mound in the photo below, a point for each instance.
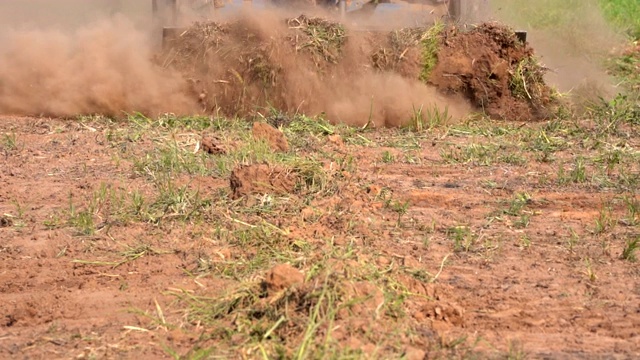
(495, 70)
(315, 65)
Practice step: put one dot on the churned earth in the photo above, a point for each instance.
(293, 188)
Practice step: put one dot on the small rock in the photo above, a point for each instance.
(281, 277)
(274, 137)
(5, 221)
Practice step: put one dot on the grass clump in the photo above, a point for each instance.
(322, 38)
(430, 46)
(527, 82)
(429, 118)
(630, 248)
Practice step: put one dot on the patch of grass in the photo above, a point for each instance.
(463, 238)
(589, 271)
(271, 244)
(131, 253)
(177, 156)
(633, 210)
(82, 220)
(477, 154)
(578, 172)
(518, 204)
(622, 109)
(430, 44)
(573, 240)
(265, 323)
(626, 68)
(604, 221)
(625, 14)
(400, 208)
(630, 248)
(9, 141)
(428, 119)
(388, 157)
(174, 202)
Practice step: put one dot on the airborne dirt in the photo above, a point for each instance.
(312, 65)
(163, 236)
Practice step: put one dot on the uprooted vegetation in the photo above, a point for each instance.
(306, 64)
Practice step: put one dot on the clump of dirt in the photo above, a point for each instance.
(262, 179)
(400, 52)
(495, 71)
(228, 65)
(274, 137)
(281, 277)
(212, 146)
(5, 221)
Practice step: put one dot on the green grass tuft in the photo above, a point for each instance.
(430, 46)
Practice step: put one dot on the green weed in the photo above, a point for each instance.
(630, 248)
(463, 238)
(623, 14)
(388, 157)
(9, 141)
(430, 45)
(429, 119)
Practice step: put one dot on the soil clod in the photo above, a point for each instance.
(282, 276)
(210, 146)
(5, 221)
(274, 137)
(261, 179)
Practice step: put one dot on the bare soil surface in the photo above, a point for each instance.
(465, 240)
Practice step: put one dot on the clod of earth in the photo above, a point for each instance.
(261, 179)
(495, 71)
(445, 312)
(210, 146)
(274, 137)
(282, 276)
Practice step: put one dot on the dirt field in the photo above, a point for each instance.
(466, 240)
(443, 231)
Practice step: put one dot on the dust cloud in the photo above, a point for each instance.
(102, 68)
(349, 91)
(572, 38)
(106, 66)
